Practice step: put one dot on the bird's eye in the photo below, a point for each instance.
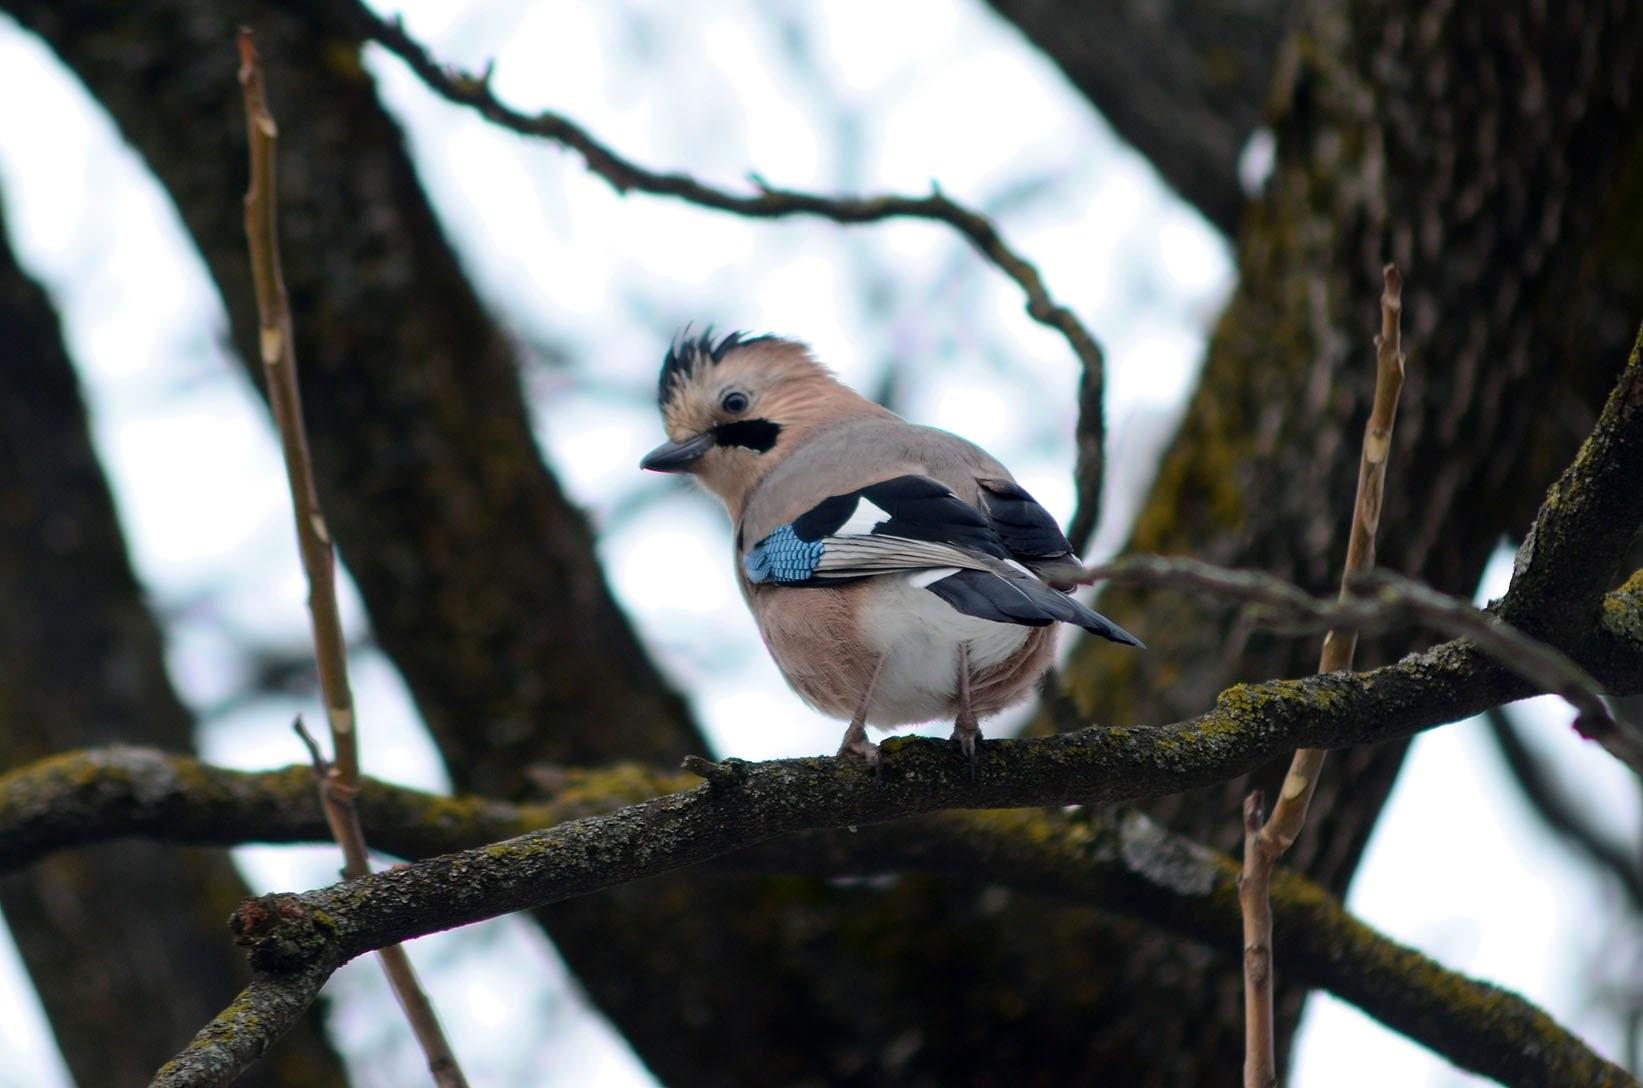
(733, 402)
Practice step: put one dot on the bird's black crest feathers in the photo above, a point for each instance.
(687, 352)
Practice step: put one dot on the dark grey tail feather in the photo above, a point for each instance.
(986, 596)
(1022, 600)
(1097, 624)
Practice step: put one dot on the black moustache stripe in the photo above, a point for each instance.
(757, 435)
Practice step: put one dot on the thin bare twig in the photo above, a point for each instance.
(772, 202)
(1374, 601)
(338, 780)
(1265, 843)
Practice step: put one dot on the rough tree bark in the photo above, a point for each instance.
(124, 942)
(1495, 155)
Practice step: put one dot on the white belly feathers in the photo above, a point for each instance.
(920, 634)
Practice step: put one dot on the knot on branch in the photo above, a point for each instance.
(280, 932)
(723, 775)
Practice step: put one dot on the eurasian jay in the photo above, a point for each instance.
(897, 573)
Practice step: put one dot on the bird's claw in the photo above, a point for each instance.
(965, 735)
(859, 747)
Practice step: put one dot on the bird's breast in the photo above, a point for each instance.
(827, 641)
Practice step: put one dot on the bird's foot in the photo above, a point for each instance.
(966, 731)
(857, 746)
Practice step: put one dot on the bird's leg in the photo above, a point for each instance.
(966, 729)
(855, 737)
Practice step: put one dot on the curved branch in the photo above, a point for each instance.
(769, 202)
(1378, 599)
(1089, 462)
(1551, 801)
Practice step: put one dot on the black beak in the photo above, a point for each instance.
(678, 456)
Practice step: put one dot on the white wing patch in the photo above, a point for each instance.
(925, 578)
(864, 519)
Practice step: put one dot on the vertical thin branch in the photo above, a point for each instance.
(1265, 844)
(339, 781)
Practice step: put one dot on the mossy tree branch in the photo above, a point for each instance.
(1121, 863)
(240, 1034)
(97, 794)
(749, 804)
(1094, 766)
(1126, 864)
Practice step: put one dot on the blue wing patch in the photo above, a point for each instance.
(904, 523)
(782, 557)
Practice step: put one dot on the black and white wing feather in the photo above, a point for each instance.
(1028, 531)
(968, 558)
(906, 523)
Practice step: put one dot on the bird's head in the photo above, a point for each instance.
(735, 408)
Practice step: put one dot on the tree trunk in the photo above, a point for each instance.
(1497, 156)
(126, 943)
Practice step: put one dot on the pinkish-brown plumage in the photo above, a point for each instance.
(897, 573)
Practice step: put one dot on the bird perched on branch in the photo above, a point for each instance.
(897, 573)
